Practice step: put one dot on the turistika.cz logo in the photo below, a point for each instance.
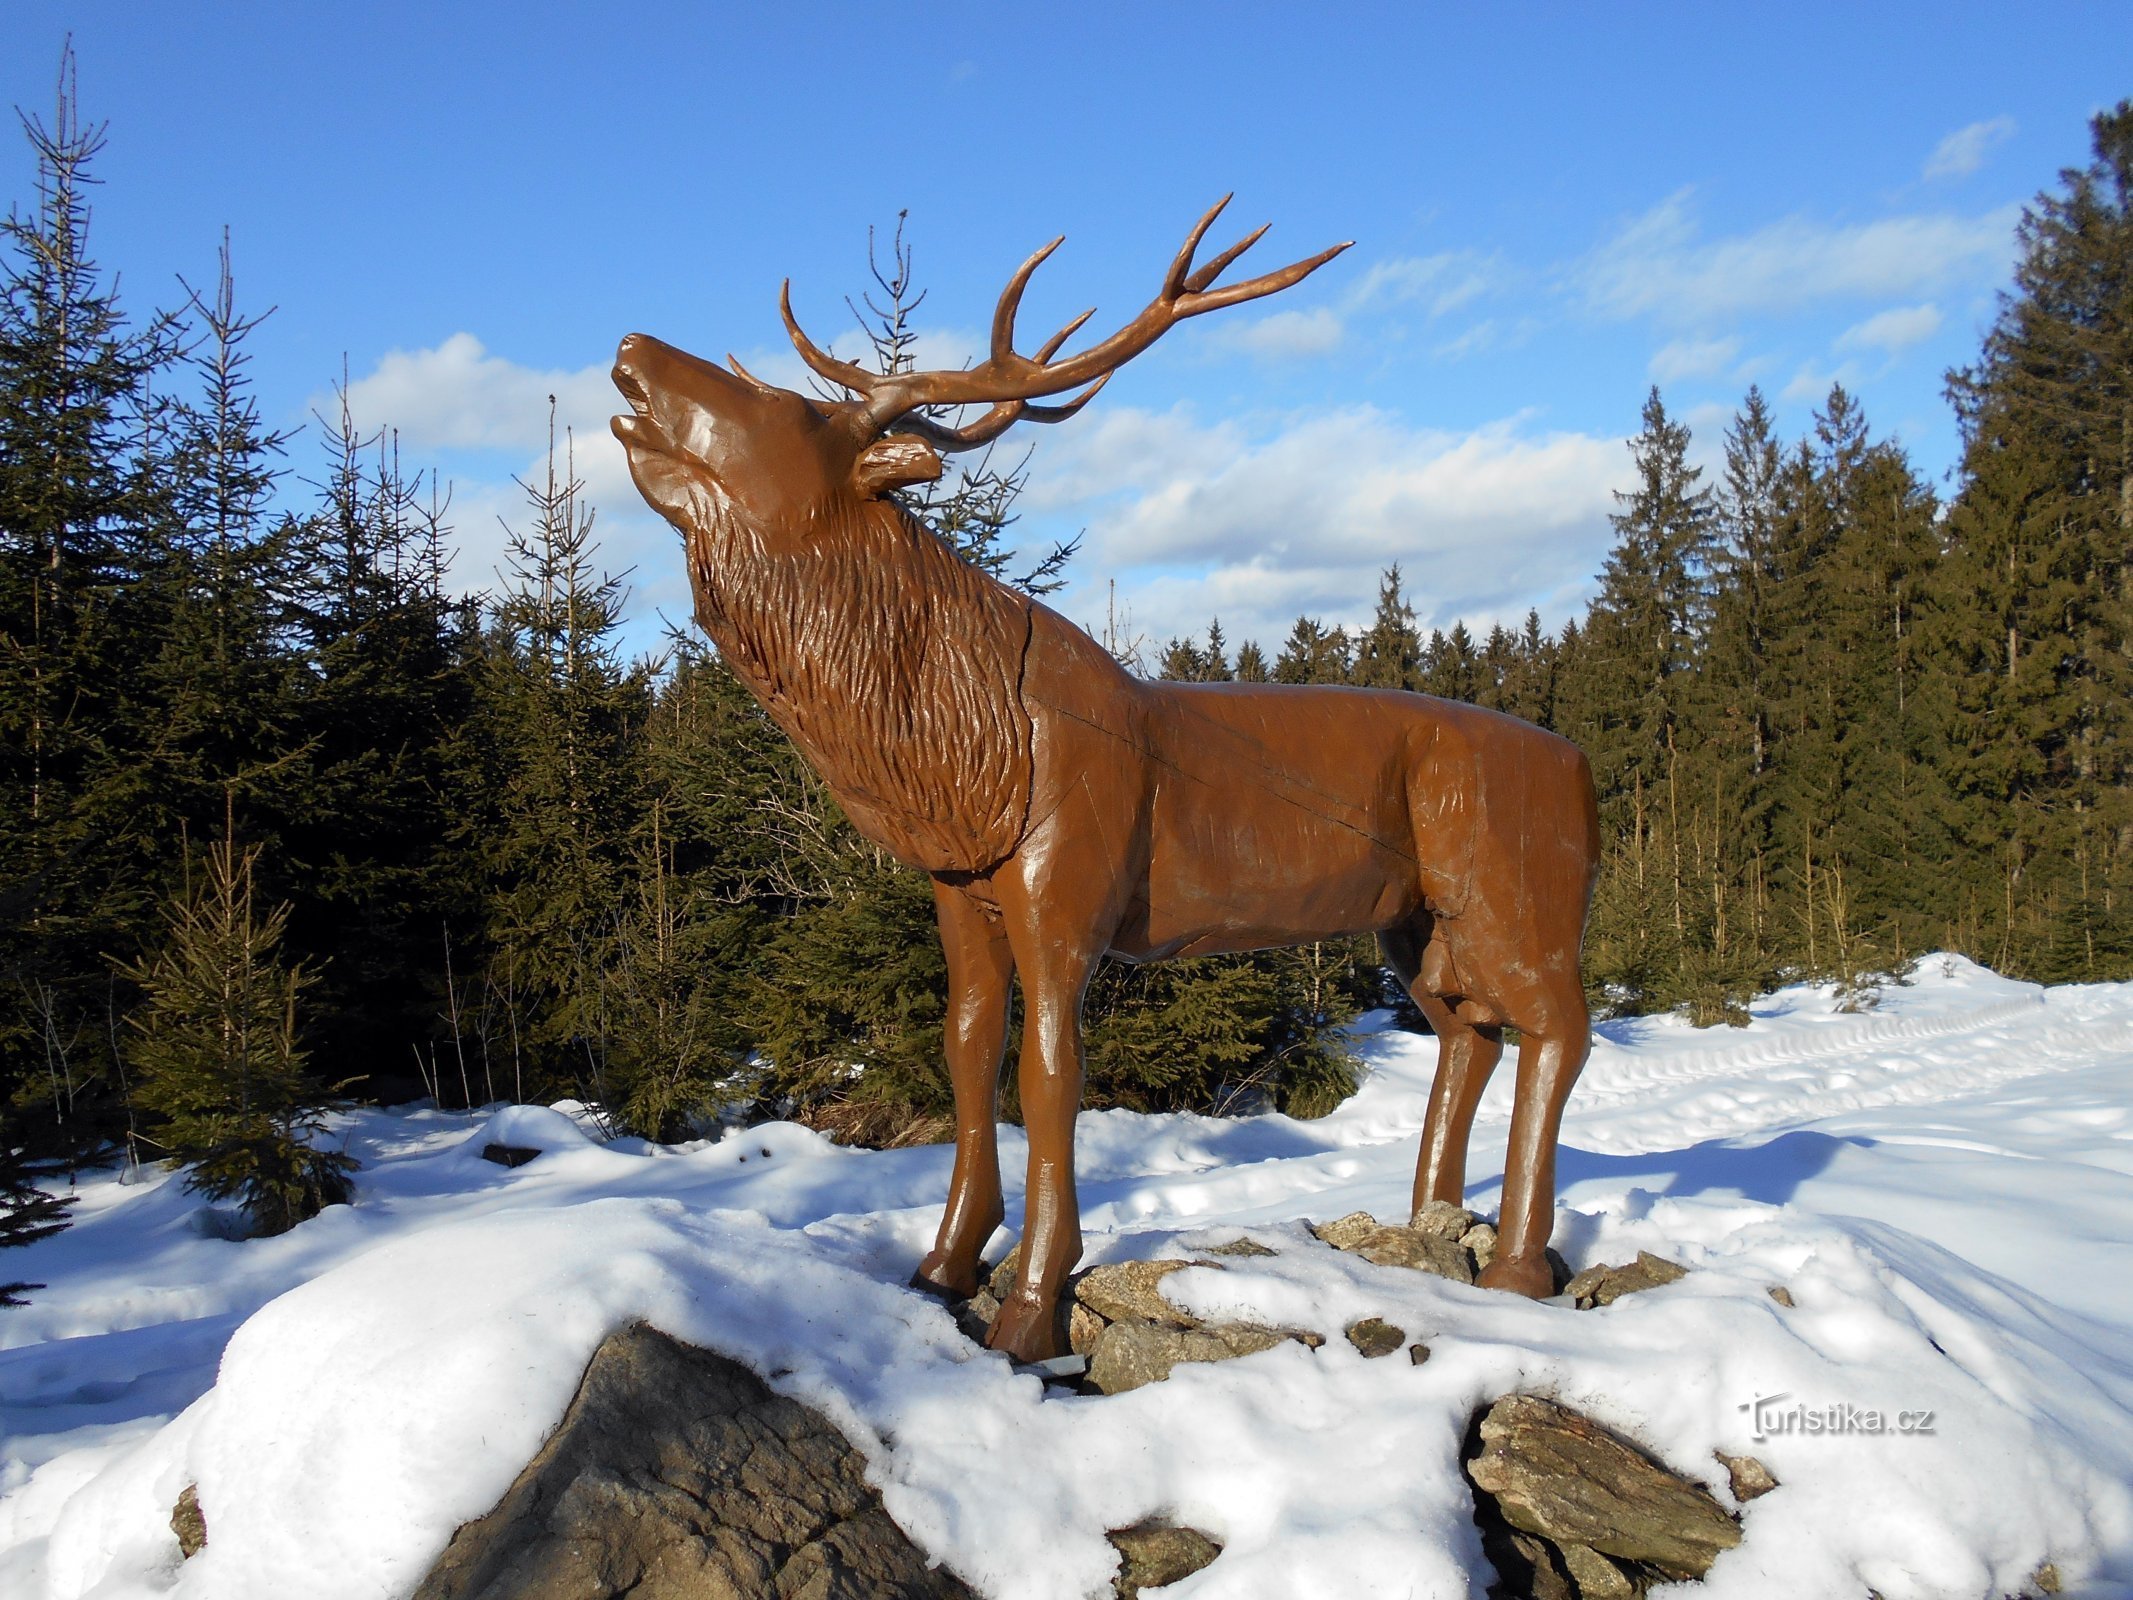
(1774, 1415)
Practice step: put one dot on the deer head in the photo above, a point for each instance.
(703, 439)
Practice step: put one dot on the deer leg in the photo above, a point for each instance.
(1467, 1053)
(1549, 1060)
(980, 968)
(1055, 972)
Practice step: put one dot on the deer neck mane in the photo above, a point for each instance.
(895, 665)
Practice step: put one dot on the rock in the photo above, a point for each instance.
(508, 1155)
(1154, 1554)
(676, 1474)
(1376, 1337)
(1782, 1295)
(1479, 1241)
(1083, 1327)
(1130, 1355)
(1425, 1252)
(975, 1315)
(1549, 1471)
(1596, 1577)
(1748, 1476)
(188, 1524)
(1603, 1286)
(1127, 1291)
(1240, 1247)
(1002, 1281)
(1527, 1567)
(1443, 1220)
(1417, 1353)
(1345, 1233)
(2045, 1580)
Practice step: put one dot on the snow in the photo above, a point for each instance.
(1943, 1183)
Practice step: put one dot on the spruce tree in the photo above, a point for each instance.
(2037, 590)
(1388, 653)
(78, 438)
(217, 1059)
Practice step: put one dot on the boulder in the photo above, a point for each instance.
(1479, 1241)
(677, 1475)
(1154, 1554)
(1129, 1291)
(1603, 1286)
(1130, 1355)
(1374, 1336)
(1345, 1233)
(1548, 1471)
(1425, 1252)
(1443, 1220)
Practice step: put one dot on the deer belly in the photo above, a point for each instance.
(1252, 870)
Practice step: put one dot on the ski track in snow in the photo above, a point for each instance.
(1945, 1179)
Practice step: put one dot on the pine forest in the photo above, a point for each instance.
(286, 821)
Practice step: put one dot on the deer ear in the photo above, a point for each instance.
(895, 462)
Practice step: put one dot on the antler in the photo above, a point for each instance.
(1009, 380)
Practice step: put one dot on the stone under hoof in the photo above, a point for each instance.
(1027, 1331)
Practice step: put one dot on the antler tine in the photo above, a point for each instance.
(1065, 409)
(856, 379)
(1006, 378)
(1215, 268)
(1003, 315)
(1265, 284)
(996, 421)
(734, 362)
(1051, 345)
(1174, 281)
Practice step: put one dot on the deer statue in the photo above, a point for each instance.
(1067, 810)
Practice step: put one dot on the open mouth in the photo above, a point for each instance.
(633, 390)
(637, 430)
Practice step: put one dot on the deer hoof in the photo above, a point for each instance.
(936, 1276)
(1027, 1330)
(1533, 1279)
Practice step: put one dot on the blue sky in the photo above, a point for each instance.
(1554, 208)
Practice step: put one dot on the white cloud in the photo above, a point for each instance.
(1811, 384)
(1282, 334)
(1194, 519)
(1659, 265)
(1896, 329)
(491, 413)
(1693, 358)
(1964, 150)
(1442, 283)
(1200, 521)
(457, 398)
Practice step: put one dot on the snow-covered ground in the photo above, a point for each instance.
(1943, 1184)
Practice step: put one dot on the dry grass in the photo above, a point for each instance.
(876, 1124)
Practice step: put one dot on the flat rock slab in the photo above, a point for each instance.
(1131, 1355)
(1130, 1291)
(677, 1475)
(1603, 1285)
(1560, 1475)
(1155, 1554)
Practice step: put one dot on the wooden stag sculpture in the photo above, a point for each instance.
(1067, 810)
